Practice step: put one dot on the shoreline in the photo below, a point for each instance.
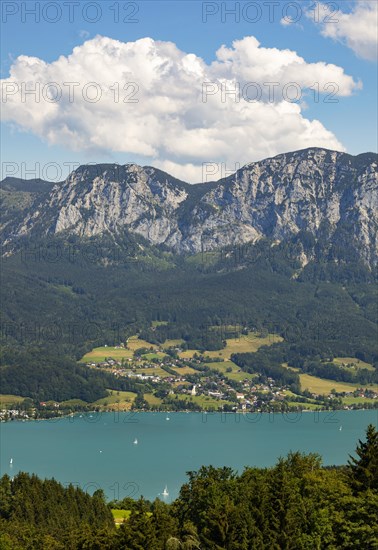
(166, 412)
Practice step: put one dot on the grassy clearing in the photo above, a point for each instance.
(349, 362)
(152, 399)
(172, 343)
(6, 400)
(244, 344)
(322, 386)
(181, 371)
(118, 400)
(134, 343)
(357, 400)
(235, 374)
(120, 516)
(159, 323)
(99, 354)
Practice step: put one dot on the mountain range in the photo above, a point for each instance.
(328, 195)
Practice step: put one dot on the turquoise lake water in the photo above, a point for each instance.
(99, 451)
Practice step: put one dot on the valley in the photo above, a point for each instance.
(222, 296)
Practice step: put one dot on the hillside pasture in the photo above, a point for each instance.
(246, 343)
(117, 400)
(134, 342)
(235, 374)
(97, 355)
(322, 386)
(351, 363)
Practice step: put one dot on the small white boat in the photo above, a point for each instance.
(167, 417)
(135, 441)
(340, 428)
(165, 493)
(11, 461)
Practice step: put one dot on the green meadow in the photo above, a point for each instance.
(351, 363)
(250, 342)
(322, 386)
(6, 401)
(235, 374)
(120, 516)
(99, 354)
(117, 400)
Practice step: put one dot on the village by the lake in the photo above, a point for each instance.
(170, 377)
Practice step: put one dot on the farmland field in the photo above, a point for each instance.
(322, 386)
(99, 354)
(243, 344)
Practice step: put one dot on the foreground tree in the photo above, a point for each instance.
(364, 469)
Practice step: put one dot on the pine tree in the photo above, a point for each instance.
(364, 469)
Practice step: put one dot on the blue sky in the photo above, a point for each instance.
(198, 28)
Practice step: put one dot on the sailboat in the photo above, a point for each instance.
(11, 461)
(165, 492)
(135, 441)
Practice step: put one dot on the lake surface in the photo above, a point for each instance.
(99, 451)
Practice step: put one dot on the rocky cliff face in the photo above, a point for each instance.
(315, 190)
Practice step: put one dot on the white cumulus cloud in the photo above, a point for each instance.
(358, 29)
(150, 99)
